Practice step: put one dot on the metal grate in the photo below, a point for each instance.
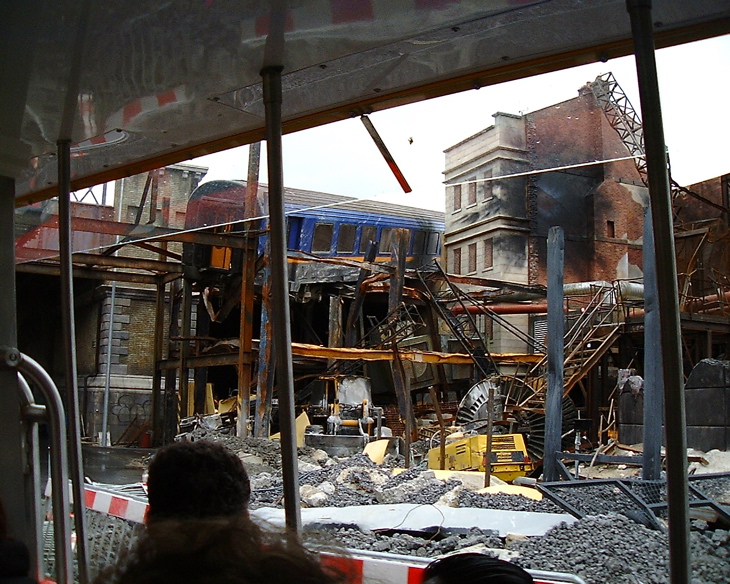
(599, 497)
(715, 486)
(108, 539)
(638, 499)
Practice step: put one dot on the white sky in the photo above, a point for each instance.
(341, 158)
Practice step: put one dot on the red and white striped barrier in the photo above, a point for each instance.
(116, 505)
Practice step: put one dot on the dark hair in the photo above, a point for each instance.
(189, 480)
(475, 568)
(218, 551)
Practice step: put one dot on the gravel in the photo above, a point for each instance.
(606, 546)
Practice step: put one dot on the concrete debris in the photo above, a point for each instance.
(423, 544)
(506, 502)
(599, 548)
(612, 548)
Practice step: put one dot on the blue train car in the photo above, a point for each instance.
(318, 224)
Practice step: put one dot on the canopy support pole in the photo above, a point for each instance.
(280, 319)
(667, 293)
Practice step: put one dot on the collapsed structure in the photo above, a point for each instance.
(383, 317)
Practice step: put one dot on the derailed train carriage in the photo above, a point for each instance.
(321, 224)
(330, 239)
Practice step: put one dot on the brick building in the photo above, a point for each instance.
(497, 227)
(132, 336)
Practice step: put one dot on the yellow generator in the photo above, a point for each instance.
(509, 455)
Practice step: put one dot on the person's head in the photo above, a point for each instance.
(223, 550)
(196, 480)
(474, 568)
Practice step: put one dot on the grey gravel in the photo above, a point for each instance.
(604, 547)
(506, 502)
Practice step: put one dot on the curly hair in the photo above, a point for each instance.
(194, 480)
(230, 550)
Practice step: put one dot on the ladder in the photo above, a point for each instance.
(463, 326)
(589, 338)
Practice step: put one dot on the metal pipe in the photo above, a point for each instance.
(108, 376)
(653, 383)
(186, 307)
(556, 353)
(506, 308)
(628, 290)
(668, 297)
(33, 414)
(280, 297)
(157, 398)
(69, 344)
(59, 465)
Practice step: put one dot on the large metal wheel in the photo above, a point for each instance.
(517, 405)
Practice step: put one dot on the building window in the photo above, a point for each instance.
(472, 250)
(610, 229)
(367, 234)
(322, 240)
(456, 267)
(488, 253)
(471, 198)
(346, 238)
(487, 192)
(457, 197)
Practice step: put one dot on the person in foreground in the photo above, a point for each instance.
(474, 568)
(199, 531)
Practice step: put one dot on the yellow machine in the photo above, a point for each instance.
(509, 455)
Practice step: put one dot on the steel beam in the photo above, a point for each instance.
(556, 353)
(157, 397)
(653, 382)
(89, 274)
(248, 274)
(668, 296)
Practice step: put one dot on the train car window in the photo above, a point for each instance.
(433, 243)
(346, 238)
(419, 242)
(322, 240)
(368, 233)
(386, 240)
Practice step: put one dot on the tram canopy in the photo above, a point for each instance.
(138, 85)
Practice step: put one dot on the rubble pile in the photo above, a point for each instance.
(506, 502)
(613, 548)
(424, 545)
(610, 547)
